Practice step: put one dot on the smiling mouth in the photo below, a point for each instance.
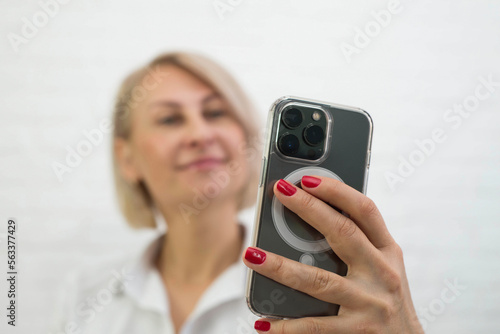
(204, 164)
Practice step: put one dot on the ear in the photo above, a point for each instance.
(125, 160)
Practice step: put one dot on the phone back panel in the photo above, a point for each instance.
(281, 231)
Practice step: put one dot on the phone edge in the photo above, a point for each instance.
(260, 194)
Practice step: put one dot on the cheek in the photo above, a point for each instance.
(156, 151)
(235, 140)
(238, 148)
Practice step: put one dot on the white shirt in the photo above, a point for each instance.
(129, 297)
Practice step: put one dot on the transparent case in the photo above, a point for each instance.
(344, 155)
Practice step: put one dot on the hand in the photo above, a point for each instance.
(374, 296)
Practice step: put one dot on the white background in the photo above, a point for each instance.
(445, 215)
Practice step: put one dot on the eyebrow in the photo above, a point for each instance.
(177, 105)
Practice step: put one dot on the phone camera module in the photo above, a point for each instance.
(289, 144)
(301, 132)
(313, 134)
(292, 118)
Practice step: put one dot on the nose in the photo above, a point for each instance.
(199, 132)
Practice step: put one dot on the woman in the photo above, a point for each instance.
(186, 151)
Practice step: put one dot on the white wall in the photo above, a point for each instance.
(445, 215)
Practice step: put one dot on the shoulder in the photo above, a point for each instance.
(89, 278)
(96, 283)
(81, 288)
(113, 273)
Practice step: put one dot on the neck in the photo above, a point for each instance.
(196, 252)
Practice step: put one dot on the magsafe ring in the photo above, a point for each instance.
(277, 213)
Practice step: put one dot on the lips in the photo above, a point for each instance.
(203, 163)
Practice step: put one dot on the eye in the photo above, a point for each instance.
(215, 113)
(170, 120)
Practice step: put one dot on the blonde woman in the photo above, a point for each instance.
(186, 152)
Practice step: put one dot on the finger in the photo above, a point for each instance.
(316, 282)
(342, 234)
(360, 208)
(308, 325)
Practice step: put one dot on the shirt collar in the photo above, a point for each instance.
(147, 286)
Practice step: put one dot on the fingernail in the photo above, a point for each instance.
(255, 256)
(310, 181)
(261, 325)
(286, 188)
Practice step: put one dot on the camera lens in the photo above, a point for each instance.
(292, 117)
(313, 134)
(289, 144)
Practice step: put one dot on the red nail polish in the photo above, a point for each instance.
(255, 256)
(310, 181)
(286, 188)
(261, 325)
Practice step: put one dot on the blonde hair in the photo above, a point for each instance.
(135, 200)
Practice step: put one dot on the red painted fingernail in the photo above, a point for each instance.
(261, 325)
(286, 188)
(255, 256)
(310, 181)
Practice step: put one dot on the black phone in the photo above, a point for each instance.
(304, 137)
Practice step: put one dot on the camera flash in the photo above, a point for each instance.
(316, 116)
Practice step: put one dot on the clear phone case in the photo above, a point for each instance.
(345, 156)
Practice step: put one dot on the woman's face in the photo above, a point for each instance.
(183, 136)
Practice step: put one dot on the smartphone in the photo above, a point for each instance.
(304, 137)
